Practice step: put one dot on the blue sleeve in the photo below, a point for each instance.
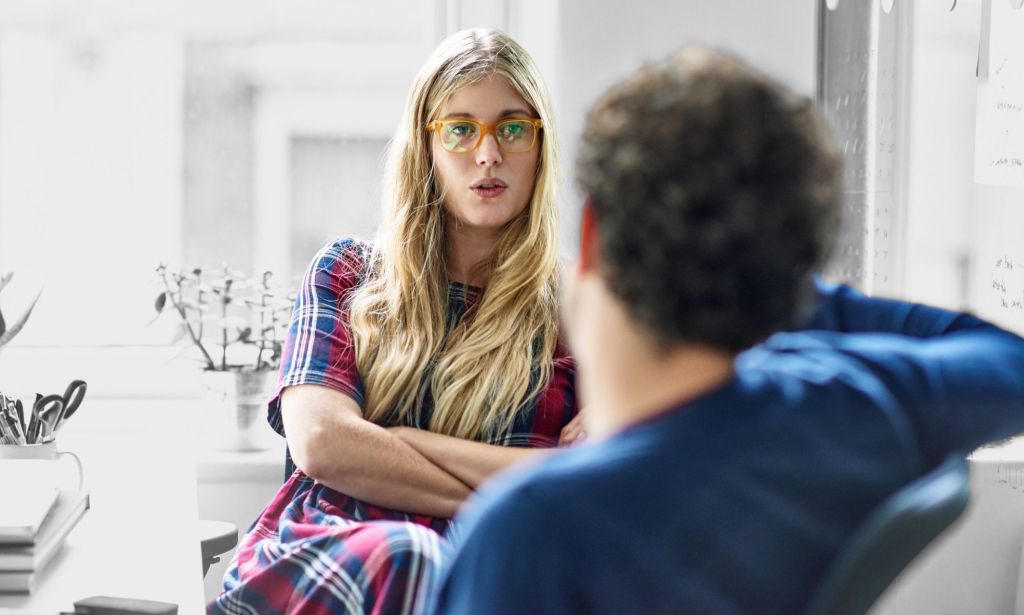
(958, 380)
(843, 309)
(956, 390)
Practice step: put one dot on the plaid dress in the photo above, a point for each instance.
(316, 550)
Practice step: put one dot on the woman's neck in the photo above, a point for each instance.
(468, 250)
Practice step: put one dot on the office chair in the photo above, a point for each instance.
(289, 465)
(891, 537)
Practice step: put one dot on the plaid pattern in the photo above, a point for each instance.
(316, 550)
(303, 555)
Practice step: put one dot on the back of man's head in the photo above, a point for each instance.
(715, 191)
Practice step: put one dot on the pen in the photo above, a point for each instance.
(19, 408)
(5, 436)
(14, 428)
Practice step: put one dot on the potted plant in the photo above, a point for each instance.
(7, 333)
(235, 326)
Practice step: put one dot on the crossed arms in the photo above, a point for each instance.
(402, 468)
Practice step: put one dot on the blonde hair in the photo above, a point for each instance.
(497, 357)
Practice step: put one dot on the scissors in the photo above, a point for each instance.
(73, 396)
(45, 413)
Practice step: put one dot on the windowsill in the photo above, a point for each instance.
(215, 466)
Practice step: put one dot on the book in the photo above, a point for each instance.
(23, 514)
(20, 582)
(18, 563)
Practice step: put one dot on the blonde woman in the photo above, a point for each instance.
(418, 366)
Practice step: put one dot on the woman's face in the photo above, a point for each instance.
(485, 188)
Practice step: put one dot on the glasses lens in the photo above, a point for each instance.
(516, 135)
(459, 136)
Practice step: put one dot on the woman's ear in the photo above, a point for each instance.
(589, 258)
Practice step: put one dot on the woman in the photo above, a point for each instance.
(420, 365)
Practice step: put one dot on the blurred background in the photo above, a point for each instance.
(199, 133)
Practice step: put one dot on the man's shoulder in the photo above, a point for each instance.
(534, 485)
(824, 355)
(558, 496)
(518, 544)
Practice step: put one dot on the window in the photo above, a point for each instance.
(229, 133)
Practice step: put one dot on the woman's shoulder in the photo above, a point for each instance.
(344, 249)
(344, 260)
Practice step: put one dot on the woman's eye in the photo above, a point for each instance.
(461, 129)
(513, 130)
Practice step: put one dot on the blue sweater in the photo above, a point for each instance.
(736, 502)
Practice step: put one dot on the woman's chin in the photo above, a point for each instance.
(484, 221)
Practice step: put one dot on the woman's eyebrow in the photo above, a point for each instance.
(516, 112)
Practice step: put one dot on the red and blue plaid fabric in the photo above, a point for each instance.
(316, 550)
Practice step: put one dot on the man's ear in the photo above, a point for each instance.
(589, 241)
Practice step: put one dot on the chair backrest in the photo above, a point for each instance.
(215, 539)
(891, 537)
(289, 465)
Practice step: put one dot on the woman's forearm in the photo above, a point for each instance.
(331, 443)
(471, 462)
(375, 466)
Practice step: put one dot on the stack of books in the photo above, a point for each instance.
(33, 527)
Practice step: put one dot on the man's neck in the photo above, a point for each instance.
(631, 382)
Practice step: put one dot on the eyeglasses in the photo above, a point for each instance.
(461, 136)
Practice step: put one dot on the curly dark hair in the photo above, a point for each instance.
(716, 194)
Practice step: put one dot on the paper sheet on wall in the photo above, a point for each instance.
(996, 275)
(1007, 286)
(999, 128)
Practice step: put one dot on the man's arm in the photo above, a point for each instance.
(331, 442)
(843, 309)
(957, 378)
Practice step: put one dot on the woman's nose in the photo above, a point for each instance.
(488, 153)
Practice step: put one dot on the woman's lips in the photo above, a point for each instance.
(488, 192)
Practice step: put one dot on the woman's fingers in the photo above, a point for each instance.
(575, 431)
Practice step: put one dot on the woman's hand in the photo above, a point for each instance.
(575, 432)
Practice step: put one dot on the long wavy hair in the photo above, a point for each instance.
(485, 368)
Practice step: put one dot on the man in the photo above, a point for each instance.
(743, 419)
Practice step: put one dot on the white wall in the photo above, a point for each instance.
(602, 41)
(942, 86)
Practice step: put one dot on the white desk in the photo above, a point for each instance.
(139, 537)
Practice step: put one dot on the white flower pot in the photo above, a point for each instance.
(236, 406)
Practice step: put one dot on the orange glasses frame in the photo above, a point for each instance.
(485, 129)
